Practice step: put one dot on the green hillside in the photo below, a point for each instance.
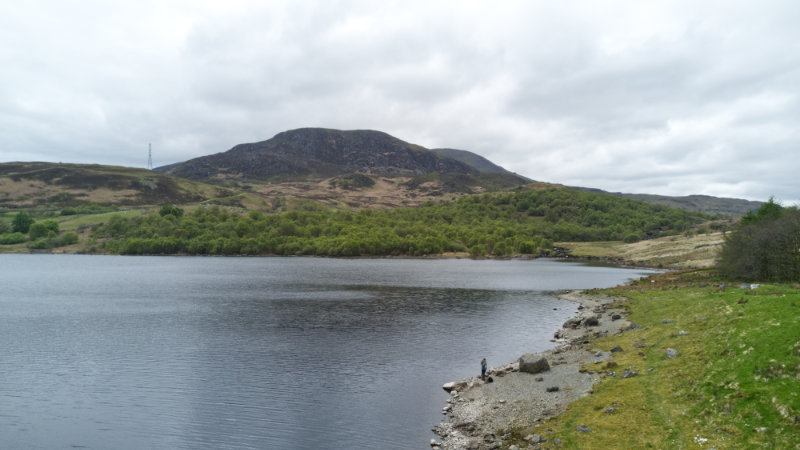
(525, 222)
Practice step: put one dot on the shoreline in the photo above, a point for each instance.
(477, 410)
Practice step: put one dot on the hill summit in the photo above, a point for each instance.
(320, 153)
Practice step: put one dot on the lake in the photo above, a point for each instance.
(115, 352)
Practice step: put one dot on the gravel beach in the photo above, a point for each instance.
(478, 409)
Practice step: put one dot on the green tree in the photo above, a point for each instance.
(22, 222)
(169, 210)
(766, 247)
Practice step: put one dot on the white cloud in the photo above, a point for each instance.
(671, 97)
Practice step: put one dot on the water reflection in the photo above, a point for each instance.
(115, 352)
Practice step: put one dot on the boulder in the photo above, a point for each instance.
(533, 363)
(454, 386)
(591, 322)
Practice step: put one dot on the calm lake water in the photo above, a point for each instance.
(114, 352)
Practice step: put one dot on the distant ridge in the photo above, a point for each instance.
(696, 203)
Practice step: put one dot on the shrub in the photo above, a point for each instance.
(632, 238)
(12, 238)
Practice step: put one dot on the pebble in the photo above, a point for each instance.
(583, 428)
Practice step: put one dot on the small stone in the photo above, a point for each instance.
(615, 349)
(584, 429)
(609, 410)
(539, 378)
(666, 321)
(760, 429)
(629, 373)
(502, 402)
(683, 333)
(591, 322)
(616, 317)
(634, 326)
(434, 443)
(513, 447)
(536, 439)
(672, 353)
(557, 441)
(552, 389)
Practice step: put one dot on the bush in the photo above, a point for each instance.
(632, 238)
(12, 238)
(5, 227)
(65, 239)
(40, 244)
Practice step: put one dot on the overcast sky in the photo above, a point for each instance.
(672, 97)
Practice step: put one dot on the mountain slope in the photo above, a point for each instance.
(478, 162)
(42, 184)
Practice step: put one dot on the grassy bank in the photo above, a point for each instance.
(735, 382)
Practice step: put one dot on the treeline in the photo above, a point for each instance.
(521, 223)
(765, 246)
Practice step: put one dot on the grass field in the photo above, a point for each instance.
(671, 252)
(735, 382)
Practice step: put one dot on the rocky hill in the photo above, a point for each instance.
(309, 153)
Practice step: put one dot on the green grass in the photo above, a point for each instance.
(71, 223)
(734, 384)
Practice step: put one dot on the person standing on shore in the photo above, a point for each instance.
(483, 369)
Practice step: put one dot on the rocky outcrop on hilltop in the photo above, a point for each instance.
(319, 152)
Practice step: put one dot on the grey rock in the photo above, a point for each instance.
(634, 326)
(533, 363)
(671, 353)
(552, 389)
(615, 349)
(616, 317)
(682, 333)
(666, 321)
(583, 428)
(629, 373)
(535, 439)
(609, 410)
(591, 322)
(557, 441)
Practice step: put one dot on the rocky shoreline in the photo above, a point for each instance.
(545, 386)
